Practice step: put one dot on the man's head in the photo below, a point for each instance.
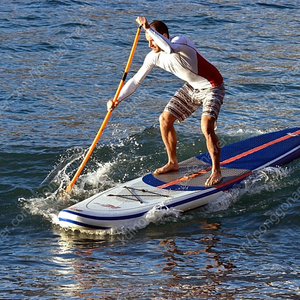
(161, 28)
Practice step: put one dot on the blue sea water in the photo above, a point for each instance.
(60, 62)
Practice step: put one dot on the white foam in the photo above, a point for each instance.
(267, 179)
(51, 199)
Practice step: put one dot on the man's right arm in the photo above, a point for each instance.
(132, 84)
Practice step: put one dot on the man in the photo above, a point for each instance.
(204, 86)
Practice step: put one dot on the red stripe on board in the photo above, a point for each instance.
(220, 185)
(184, 178)
(289, 135)
(229, 160)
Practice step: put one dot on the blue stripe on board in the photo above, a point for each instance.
(250, 161)
(82, 224)
(254, 160)
(105, 218)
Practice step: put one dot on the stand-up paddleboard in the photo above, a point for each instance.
(128, 203)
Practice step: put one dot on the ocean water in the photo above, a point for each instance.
(60, 62)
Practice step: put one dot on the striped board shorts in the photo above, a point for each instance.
(187, 100)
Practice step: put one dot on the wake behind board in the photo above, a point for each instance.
(128, 204)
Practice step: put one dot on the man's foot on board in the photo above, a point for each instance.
(214, 179)
(169, 167)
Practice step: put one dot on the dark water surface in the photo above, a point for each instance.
(60, 62)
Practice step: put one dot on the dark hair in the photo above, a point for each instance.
(160, 27)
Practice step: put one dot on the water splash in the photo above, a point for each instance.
(269, 179)
(49, 199)
(72, 156)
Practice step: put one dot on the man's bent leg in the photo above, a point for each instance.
(213, 147)
(169, 138)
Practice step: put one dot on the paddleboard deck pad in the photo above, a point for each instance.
(183, 190)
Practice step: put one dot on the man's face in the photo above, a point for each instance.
(152, 44)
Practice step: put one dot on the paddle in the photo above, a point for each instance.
(72, 182)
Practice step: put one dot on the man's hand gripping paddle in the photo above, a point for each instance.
(72, 182)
